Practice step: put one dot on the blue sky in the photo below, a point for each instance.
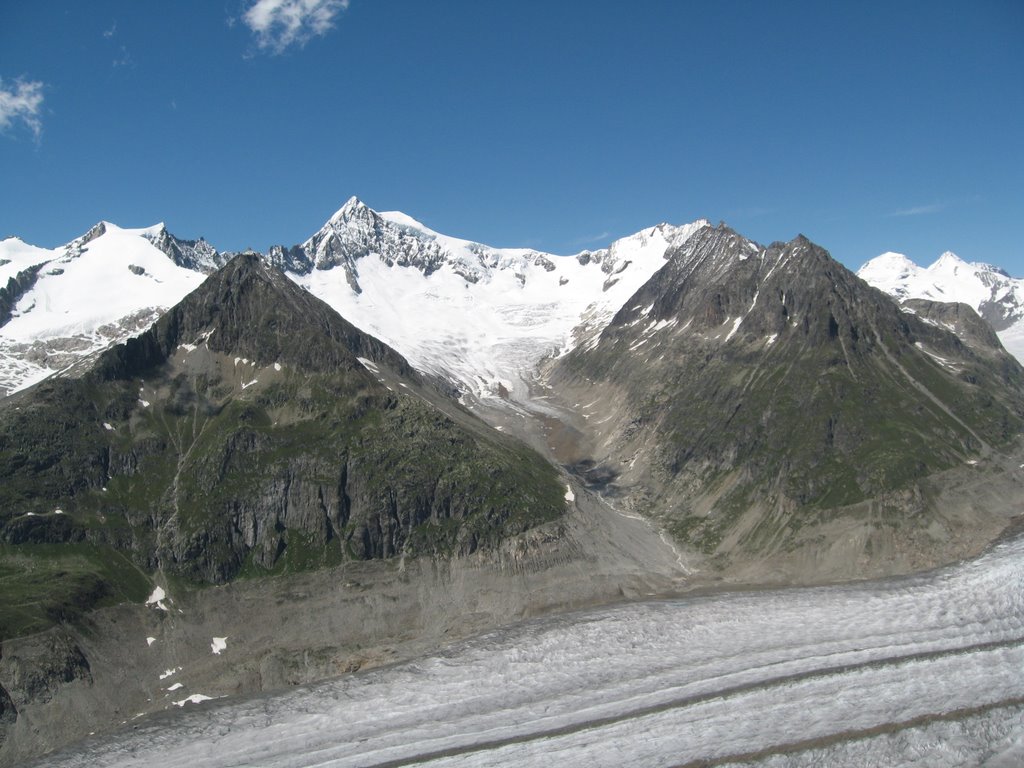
(557, 125)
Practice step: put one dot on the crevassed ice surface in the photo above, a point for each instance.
(921, 671)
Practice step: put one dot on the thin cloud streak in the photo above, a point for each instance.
(22, 103)
(280, 24)
(919, 210)
(592, 239)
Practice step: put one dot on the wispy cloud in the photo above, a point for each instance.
(123, 59)
(21, 103)
(919, 210)
(280, 24)
(109, 33)
(603, 237)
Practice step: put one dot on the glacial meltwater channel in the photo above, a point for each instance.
(926, 670)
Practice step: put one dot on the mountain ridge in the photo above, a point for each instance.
(989, 290)
(527, 303)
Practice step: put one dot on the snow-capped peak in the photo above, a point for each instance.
(483, 317)
(344, 213)
(998, 298)
(479, 315)
(949, 262)
(67, 302)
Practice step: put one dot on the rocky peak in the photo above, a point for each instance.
(252, 309)
(196, 255)
(75, 247)
(354, 208)
(747, 385)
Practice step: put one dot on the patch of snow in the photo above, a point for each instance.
(150, 640)
(169, 672)
(143, 403)
(735, 326)
(108, 427)
(250, 383)
(175, 687)
(569, 495)
(219, 644)
(368, 365)
(277, 366)
(195, 698)
(156, 599)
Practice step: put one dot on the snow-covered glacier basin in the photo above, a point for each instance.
(926, 671)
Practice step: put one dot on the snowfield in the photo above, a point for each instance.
(926, 671)
(99, 290)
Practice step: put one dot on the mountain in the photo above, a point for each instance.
(62, 305)
(250, 430)
(993, 294)
(197, 255)
(752, 397)
(478, 316)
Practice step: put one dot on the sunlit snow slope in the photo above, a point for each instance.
(996, 296)
(481, 316)
(922, 671)
(98, 290)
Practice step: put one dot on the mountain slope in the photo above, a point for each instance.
(61, 305)
(993, 294)
(745, 393)
(251, 430)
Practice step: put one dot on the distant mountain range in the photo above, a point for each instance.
(480, 316)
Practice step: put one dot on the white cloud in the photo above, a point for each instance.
(279, 24)
(21, 103)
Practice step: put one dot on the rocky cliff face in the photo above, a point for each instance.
(17, 286)
(197, 255)
(747, 389)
